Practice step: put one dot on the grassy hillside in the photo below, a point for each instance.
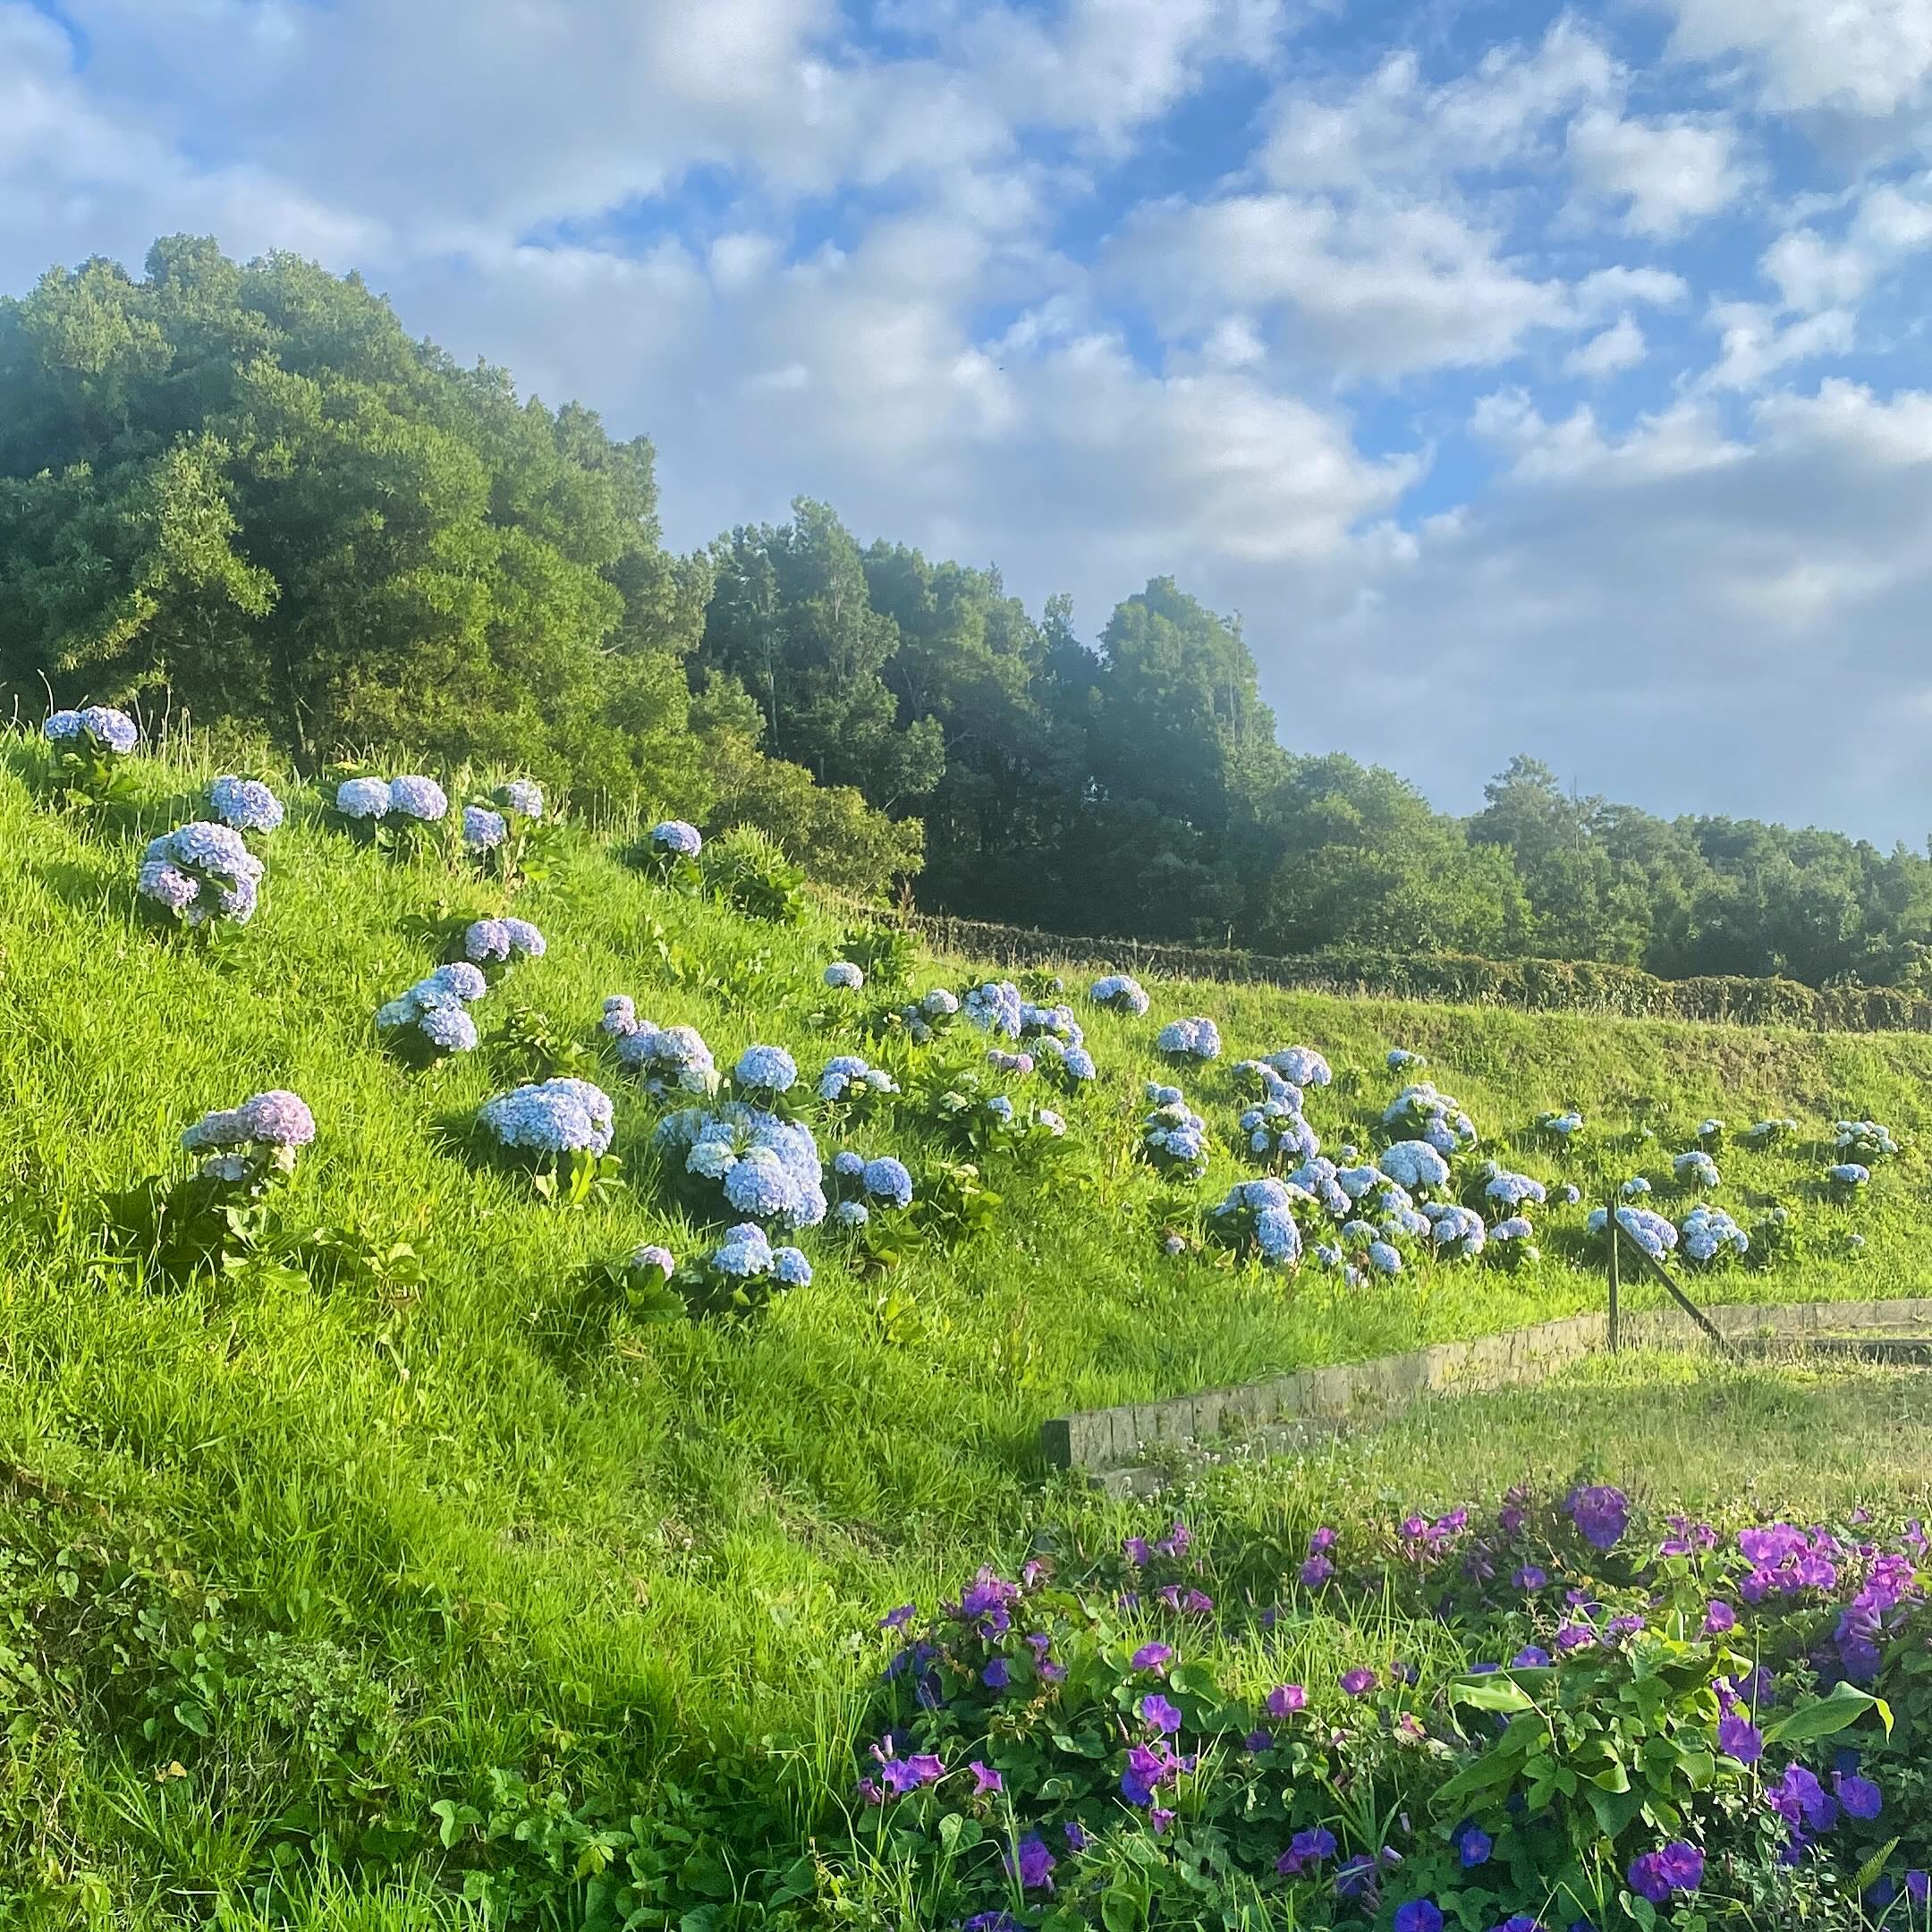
(290, 1560)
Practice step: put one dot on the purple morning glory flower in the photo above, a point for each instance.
(1601, 1515)
(1858, 1795)
(1034, 1864)
(1473, 1847)
(1136, 1551)
(1153, 1657)
(1285, 1700)
(996, 1675)
(1677, 1867)
(1530, 1658)
(898, 1619)
(1160, 1714)
(1305, 1849)
(1076, 1835)
(1530, 1578)
(1718, 1618)
(1358, 1682)
(1316, 1572)
(985, 1778)
(1739, 1738)
(1418, 1915)
(1919, 1887)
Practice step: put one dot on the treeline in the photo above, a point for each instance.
(244, 491)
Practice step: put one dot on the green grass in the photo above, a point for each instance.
(586, 1566)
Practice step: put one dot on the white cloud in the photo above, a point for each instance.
(1890, 224)
(1619, 347)
(1670, 173)
(1754, 344)
(1858, 57)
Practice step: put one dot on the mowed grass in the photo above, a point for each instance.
(599, 1562)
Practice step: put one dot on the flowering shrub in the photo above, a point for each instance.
(1848, 1177)
(1651, 1232)
(429, 1023)
(397, 815)
(1009, 1063)
(885, 954)
(1512, 1243)
(1628, 1717)
(739, 1278)
(993, 1007)
(215, 1218)
(751, 1162)
(202, 875)
(1695, 1169)
(1418, 1113)
(89, 748)
(1457, 1233)
(504, 832)
(1277, 1134)
(1710, 1136)
(1414, 1165)
(1709, 1235)
(1864, 1141)
(244, 804)
(921, 1021)
(1073, 1066)
(1561, 1128)
(765, 1073)
(1190, 1039)
(1256, 1218)
(1257, 1079)
(670, 853)
(673, 1059)
(1119, 993)
(987, 1126)
(558, 1127)
(1506, 1194)
(1301, 1066)
(843, 977)
(1174, 1138)
(1768, 1133)
(847, 1080)
(1401, 1060)
(493, 945)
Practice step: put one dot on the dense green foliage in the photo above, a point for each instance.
(244, 492)
(396, 1564)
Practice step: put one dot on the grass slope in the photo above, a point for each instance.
(465, 1549)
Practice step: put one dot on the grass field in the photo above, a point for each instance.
(287, 1566)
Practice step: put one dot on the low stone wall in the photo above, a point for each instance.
(1122, 1449)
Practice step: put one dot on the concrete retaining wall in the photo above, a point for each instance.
(1122, 1448)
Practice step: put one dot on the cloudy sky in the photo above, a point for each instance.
(1527, 377)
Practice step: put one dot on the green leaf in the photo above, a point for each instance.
(1493, 1693)
(1870, 1871)
(1828, 1715)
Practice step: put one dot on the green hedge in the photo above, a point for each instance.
(1535, 985)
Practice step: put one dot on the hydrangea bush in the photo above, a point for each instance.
(505, 833)
(670, 854)
(1190, 1039)
(200, 875)
(560, 1131)
(493, 945)
(1174, 1138)
(88, 750)
(1120, 993)
(740, 1160)
(430, 1021)
(217, 1218)
(401, 815)
(244, 805)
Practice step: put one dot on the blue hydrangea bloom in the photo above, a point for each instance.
(551, 1116)
(757, 1183)
(765, 1069)
(449, 1027)
(113, 731)
(1197, 1039)
(852, 1214)
(657, 1257)
(679, 839)
(524, 939)
(483, 829)
(488, 939)
(886, 1179)
(1413, 1164)
(414, 796)
(246, 804)
(790, 1267)
(1277, 1236)
(843, 976)
(363, 798)
(848, 1165)
(523, 795)
(1385, 1258)
(1119, 993)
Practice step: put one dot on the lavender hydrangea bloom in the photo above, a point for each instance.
(766, 1069)
(115, 730)
(1119, 993)
(524, 939)
(166, 884)
(669, 1056)
(245, 804)
(413, 796)
(523, 795)
(661, 1259)
(1413, 1164)
(1301, 1066)
(757, 1183)
(790, 1267)
(1651, 1232)
(488, 939)
(277, 1118)
(620, 1015)
(363, 798)
(551, 1116)
(1709, 1232)
(1695, 1169)
(852, 1214)
(459, 979)
(842, 976)
(208, 847)
(1197, 1039)
(676, 839)
(1458, 1233)
(483, 829)
(448, 1028)
(888, 1179)
(940, 1004)
(993, 1007)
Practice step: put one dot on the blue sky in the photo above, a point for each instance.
(1529, 377)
